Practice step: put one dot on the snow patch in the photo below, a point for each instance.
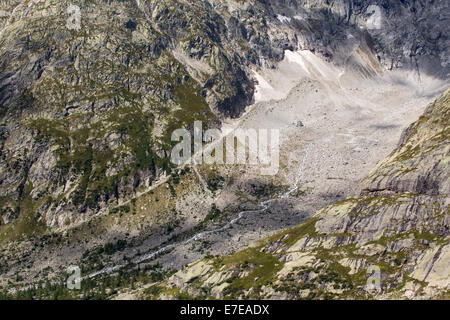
(264, 91)
(283, 19)
(313, 65)
(295, 57)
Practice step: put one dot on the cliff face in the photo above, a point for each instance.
(420, 163)
(399, 225)
(401, 33)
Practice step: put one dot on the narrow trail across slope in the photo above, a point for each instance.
(263, 206)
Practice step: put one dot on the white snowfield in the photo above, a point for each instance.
(283, 19)
(295, 66)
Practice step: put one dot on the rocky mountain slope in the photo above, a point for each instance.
(86, 113)
(74, 102)
(399, 223)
